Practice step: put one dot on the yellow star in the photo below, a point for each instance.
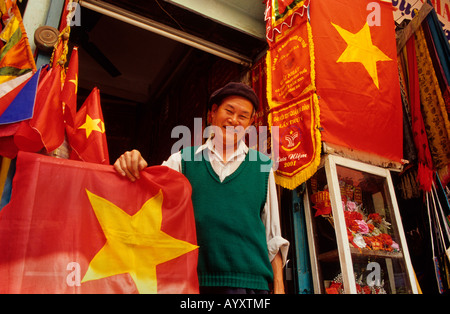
(361, 49)
(92, 125)
(134, 244)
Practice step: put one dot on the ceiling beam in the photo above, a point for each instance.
(166, 31)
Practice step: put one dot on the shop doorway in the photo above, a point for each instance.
(150, 83)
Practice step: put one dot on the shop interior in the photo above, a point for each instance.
(150, 83)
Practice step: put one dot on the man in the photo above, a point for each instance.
(234, 198)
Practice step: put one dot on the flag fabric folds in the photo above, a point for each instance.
(74, 227)
(357, 76)
(88, 138)
(16, 57)
(70, 88)
(46, 128)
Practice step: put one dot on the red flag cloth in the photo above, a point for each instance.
(67, 12)
(357, 76)
(46, 128)
(88, 138)
(75, 227)
(69, 91)
(7, 146)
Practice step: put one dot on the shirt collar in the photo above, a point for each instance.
(242, 148)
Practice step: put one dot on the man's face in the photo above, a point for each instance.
(232, 117)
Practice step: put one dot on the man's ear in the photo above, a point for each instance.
(210, 113)
(214, 108)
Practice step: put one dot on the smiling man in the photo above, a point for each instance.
(235, 201)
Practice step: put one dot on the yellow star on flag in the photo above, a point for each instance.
(134, 244)
(92, 125)
(361, 49)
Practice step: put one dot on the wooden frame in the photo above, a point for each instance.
(344, 252)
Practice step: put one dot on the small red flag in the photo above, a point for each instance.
(46, 128)
(75, 227)
(88, 138)
(357, 76)
(69, 91)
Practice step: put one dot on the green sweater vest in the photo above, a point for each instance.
(231, 236)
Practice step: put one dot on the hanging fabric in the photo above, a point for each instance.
(434, 113)
(425, 163)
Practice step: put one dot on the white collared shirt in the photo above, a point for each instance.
(270, 214)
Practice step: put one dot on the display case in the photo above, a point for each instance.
(355, 235)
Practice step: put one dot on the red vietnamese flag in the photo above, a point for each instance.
(69, 91)
(88, 138)
(46, 128)
(357, 76)
(74, 227)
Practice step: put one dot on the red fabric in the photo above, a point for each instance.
(65, 13)
(354, 113)
(46, 128)
(89, 144)
(7, 146)
(49, 229)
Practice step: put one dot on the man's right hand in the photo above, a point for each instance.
(129, 164)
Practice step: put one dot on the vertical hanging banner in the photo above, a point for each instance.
(357, 76)
(291, 92)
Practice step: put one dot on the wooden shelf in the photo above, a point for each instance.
(332, 256)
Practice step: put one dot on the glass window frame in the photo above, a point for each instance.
(329, 162)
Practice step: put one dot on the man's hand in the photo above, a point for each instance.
(129, 164)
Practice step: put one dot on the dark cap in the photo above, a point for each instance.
(234, 89)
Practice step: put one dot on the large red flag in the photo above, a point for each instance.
(46, 128)
(75, 227)
(88, 138)
(357, 76)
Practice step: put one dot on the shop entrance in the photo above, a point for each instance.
(150, 83)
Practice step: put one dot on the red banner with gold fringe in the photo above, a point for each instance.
(291, 93)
